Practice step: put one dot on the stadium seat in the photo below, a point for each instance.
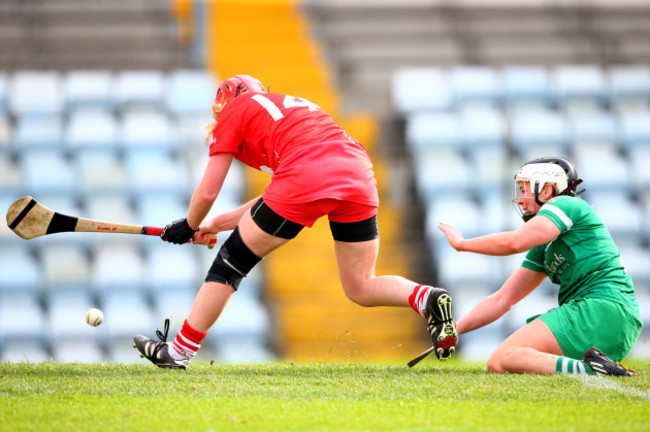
(6, 135)
(146, 130)
(430, 130)
(594, 128)
(19, 270)
(78, 351)
(602, 169)
(631, 83)
(460, 210)
(474, 84)
(88, 89)
(10, 178)
(134, 89)
(442, 172)
(65, 318)
(170, 269)
(24, 351)
(526, 85)
(100, 172)
(64, 266)
(636, 259)
(190, 93)
(104, 277)
(634, 129)
(156, 174)
(91, 129)
(126, 313)
(47, 172)
(455, 269)
(420, 89)
(160, 210)
(21, 317)
(36, 93)
(4, 93)
(539, 132)
(640, 174)
(620, 214)
(38, 132)
(580, 86)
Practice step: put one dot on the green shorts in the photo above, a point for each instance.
(605, 324)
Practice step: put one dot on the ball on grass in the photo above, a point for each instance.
(94, 317)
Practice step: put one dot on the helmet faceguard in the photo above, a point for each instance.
(235, 86)
(558, 172)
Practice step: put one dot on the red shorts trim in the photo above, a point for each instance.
(336, 210)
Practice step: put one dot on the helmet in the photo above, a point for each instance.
(235, 86)
(557, 171)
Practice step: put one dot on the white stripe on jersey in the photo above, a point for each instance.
(560, 214)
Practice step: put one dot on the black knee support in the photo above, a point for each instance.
(233, 262)
(364, 230)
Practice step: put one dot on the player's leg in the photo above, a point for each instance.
(258, 232)
(531, 349)
(357, 246)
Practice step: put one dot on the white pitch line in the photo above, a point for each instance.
(602, 383)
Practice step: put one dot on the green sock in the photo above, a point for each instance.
(566, 365)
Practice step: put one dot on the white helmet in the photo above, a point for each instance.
(556, 171)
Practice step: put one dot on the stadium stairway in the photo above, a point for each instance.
(313, 318)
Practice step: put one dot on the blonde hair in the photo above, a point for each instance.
(216, 110)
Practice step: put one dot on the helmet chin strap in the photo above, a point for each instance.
(528, 216)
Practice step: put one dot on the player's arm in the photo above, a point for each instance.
(521, 283)
(209, 187)
(537, 231)
(228, 220)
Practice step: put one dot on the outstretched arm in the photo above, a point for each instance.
(537, 231)
(521, 283)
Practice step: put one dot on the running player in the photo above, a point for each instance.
(568, 243)
(317, 170)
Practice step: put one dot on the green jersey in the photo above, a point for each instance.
(583, 259)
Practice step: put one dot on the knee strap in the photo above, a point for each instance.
(233, 262)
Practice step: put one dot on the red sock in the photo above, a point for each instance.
(418, 299)
(188, 340)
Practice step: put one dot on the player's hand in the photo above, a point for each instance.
(454, 236)
(204, 238)
(178, 232)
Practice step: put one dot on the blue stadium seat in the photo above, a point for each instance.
(47, 172)
(88, 89)
(113, 207)
(21, 317)
(526, 85)
(148, 130)
(65, 318)
(474, 84)
(429, 130)
(580, 85)
(622, 216)
(442, 172)
(630, 82)
(634, 129)
(420, 89)
(156, 174)
(135, 88)
(638, 163)
(10, 178)
(19, 271)
(602, 169)
(4, 93)
(159, 210)
(460, 210)
(82, 350)
(594, 128)
(100, 172)
(539, 132)
(21, 351)
(91, 129)
(64, 266)
(190, 92)
(38, 132)
(126, 313)
(170, 269)
(106, 282)
(6, 135)
(36, 93)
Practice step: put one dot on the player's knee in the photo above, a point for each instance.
(495, 363)
(233, 262)
(357, 292)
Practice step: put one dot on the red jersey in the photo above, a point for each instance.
(309, 155)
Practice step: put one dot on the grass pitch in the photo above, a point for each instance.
(315, 397)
